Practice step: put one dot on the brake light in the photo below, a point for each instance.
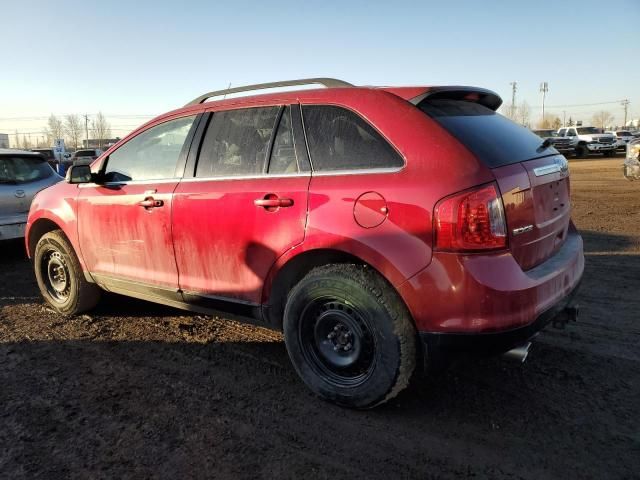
(470, 221)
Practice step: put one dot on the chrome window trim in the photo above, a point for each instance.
(333, 173)
(358, 171)
(130, 182)
(246, 177)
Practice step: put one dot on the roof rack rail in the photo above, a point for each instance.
(327, 82)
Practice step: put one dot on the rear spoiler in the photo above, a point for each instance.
(481, 96)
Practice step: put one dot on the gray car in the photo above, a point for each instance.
(22, 175)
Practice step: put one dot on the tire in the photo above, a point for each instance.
(582, 151)
(609, 154)
(349, 336)
(60, 277)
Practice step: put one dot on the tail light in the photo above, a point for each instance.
(471, 221)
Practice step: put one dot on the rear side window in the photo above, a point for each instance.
(237, 142)
(492, 138)
(151, 155)
(341, 140)
(14, 170)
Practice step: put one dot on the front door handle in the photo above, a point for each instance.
(150, 202)
(271, 202)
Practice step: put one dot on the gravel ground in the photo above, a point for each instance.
(136, 390)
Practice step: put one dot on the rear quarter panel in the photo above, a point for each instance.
(436, 165)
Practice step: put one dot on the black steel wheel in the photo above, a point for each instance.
(337, 341)
(60, 277)
(54, 270)
(349, 335)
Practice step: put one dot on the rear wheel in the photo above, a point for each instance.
(349, 336)
(610, 153)
(60, 277)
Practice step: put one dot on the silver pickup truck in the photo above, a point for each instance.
(588, 140)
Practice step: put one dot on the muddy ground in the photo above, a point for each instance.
(138, 390)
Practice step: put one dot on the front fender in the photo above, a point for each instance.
(54, 207)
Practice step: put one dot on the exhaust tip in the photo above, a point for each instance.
(518, 354)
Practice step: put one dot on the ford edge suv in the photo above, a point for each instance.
(378, 228)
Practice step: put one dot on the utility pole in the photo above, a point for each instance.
(86, 129)
(544, 88)
(625, 104)
(514, 87)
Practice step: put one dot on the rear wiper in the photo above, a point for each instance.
(546, 143)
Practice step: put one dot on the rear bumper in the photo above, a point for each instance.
(478, 294)
(495, 342)
(13, 230)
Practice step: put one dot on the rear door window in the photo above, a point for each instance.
(283, 155)
(236, 142)
(151, 155)
(492, 138)
(339, 139)
(16, 170)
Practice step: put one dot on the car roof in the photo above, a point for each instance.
(16, 151)
(325, 95)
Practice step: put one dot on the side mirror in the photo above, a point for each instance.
(79, 174)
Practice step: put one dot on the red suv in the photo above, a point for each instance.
(376, 227)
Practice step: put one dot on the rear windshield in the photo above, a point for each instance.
(545, 133)
(48, 154)
(588, 130)
(85, 153)
(491, 137)
(23, 169)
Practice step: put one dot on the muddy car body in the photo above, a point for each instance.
(374, 226)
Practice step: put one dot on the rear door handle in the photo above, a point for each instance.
(151, 202)
(273, 202)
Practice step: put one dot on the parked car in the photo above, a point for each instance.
(588, 140)
(49, 154)
(561, 144)
(22, 175)
(631, 166)
(392, 226)
(85, 156)
(622, 138)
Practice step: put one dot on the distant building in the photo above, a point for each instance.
(4, 140)
(95, 143)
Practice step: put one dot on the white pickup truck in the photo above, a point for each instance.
(588, 140)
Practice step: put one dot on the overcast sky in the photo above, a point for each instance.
(134, 58)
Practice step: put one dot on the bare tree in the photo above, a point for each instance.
(601, 119)
(550, 121)
(73, 129)
(54, 128)
(524, 113)
(101, 129)
(509, 111)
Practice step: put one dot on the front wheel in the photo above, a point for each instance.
(582, 151)
(60, 277)
(349, 335)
